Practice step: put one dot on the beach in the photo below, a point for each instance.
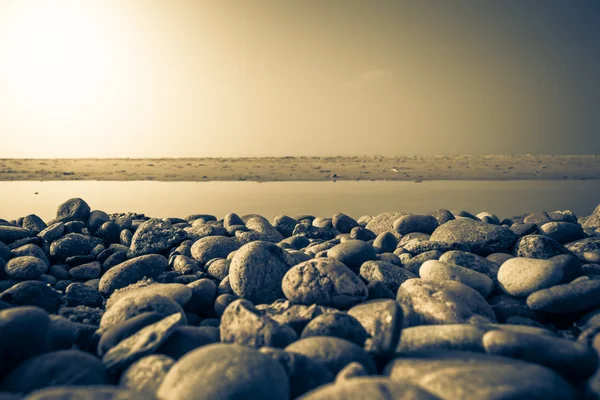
(270, 169)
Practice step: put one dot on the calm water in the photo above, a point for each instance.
(355, 198)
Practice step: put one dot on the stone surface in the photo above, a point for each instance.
(146, 374)
(340, 325)
(383, 320)
(480, 237)
(538, 246)
(522, 276)
(225, 371)
(325, 282)
(436, 303)
(389, 274)
(131, 271)
(439, 271)
(25, 268)
(567, 298)
(155, 236)
(74, 209)
(257, 270)
(352, 253)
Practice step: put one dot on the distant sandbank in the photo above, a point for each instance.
(402, 168)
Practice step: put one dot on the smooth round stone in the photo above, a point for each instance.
(72, 244)
(175, 291)
(187, 338)
(564, 356)
(22, 330)
(142, 343)
(73, 367)
(473, 376)
(385, 243)
(243, 324)
(384, 222)
(415, 223)
(383, 320)
(74, 209)
(131, 271)
(79, 294)
(96, 219)
(136, 304)
(75, 227)
(439, 271)
(155, 236)
(91, 392)
(352, 370)
(522, 276)
(465, 337)
(207, 248)
(197, 231)
(524, 229)
(225, 371)
(538, 246)
(146, 374)
(325, 282)
(338, 325)
(25, 268)
(442, 216)
(30, 250)
(334, 353)
(473, 262)
(413, 264)
(218, 268)
(114, 259)
(185, 265)
(221, 303)
(261, 225)
(488, 218)
(343, 222)
(352, 253)
(391, 275)
(256, 272)
(367, 387)
(32, 293)
(562, 232)
(122, 330)
(361, 233)
(285, 225)
(538, 218)
(567, 298)
(9, 233)
(436, 303)
(86, 271)
(480, 237)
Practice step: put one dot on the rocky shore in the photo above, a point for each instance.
(446, 305)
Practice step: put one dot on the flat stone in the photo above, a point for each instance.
(383, 320)
(567, 298)
(439, 271)
(131, 271)
(522, 276)
(211, 247)
(25, 268)
(369, 387)
(463, 337)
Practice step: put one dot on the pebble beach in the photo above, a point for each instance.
(440, 305)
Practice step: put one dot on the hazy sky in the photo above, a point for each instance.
(175, 78)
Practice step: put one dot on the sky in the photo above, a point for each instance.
(179, 78)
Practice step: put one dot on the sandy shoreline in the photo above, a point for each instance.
(404, 168)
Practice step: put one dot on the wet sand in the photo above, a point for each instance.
(405, 168)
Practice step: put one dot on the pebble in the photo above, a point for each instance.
(435, 303)
(562, 232)
(225, 371)
(177, 292)
(122, 330)
(385, 243)
(332, 352)
(52, 232)
(34, 224)
(538, 246)
(384, 222)
(352, 253)
(369, 387)
(383, 320)
(72, 244)
(74, 209)
(521, 276)
(32, 293)
(243, 324)
(25, 268)
(211, 247)
(9, 233)
(131, 271)
(389, 274)
(566, 298)
(155, 236)
(481, 238)
(340, 325)
(187, 338)
(415, 223)
(257, 270)
(440, 271)
(30, 250)
(325, 282)
(78, 294)
(146, 374)
(343, 222)
(463, 337)
(86, 271)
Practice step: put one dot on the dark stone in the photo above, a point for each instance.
(32, 293)
(75, 209)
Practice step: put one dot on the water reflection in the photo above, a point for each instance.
(170, 199)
